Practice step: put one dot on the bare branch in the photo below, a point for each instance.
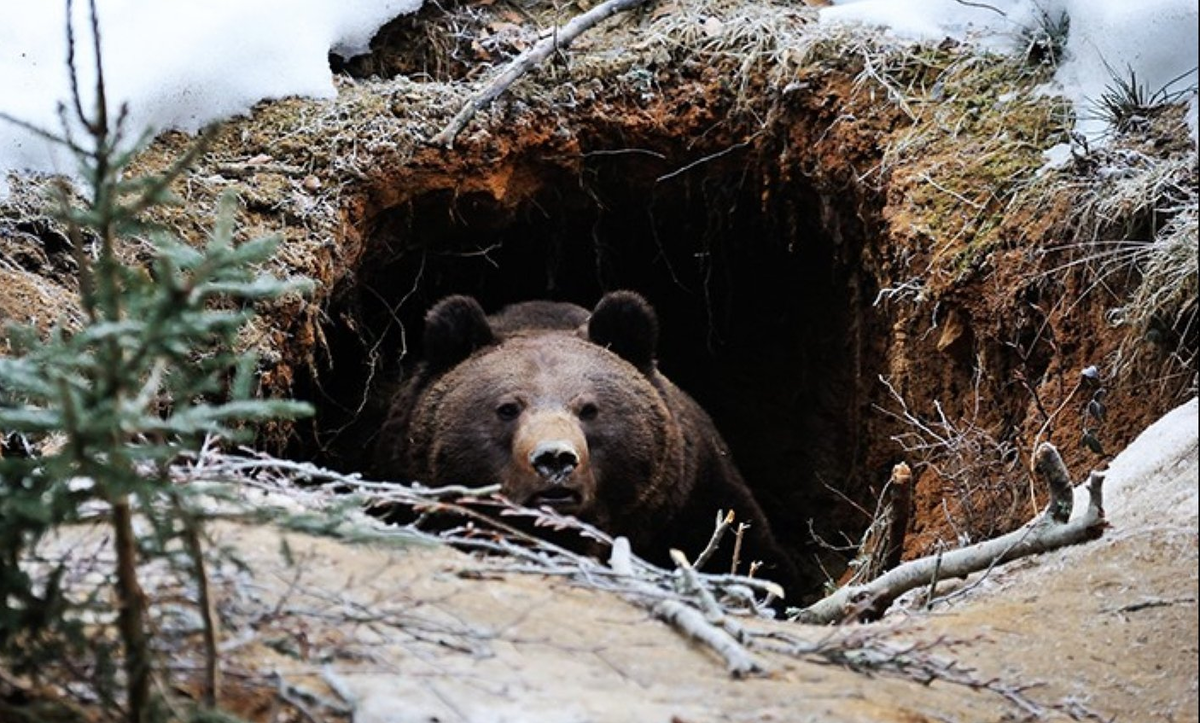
(691, 622)
(738, 535)
(722, 524)
(883, 542)
(1043, 533)
(523, 63)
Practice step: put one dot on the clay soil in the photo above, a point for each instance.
(855, 262)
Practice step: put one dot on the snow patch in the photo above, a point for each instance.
(1107, 40)
(1154, 481)
(1057, 156)
(181, 64)
(995, 25)
(186, 63)
(1155, 40)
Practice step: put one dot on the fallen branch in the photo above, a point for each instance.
(561, 38)
(690, 621)
(1048, 531)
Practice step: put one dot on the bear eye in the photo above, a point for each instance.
(588, 411)
(508, 411)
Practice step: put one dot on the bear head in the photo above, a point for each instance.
(559, 407)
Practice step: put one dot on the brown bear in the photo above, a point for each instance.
(567, 409)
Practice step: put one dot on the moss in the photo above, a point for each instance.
(978, 128)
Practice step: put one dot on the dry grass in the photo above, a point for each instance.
(1133, 232)
(757, 41)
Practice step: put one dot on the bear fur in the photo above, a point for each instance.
(566, 408)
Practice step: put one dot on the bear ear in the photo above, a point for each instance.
(455, 327)
(626, 324)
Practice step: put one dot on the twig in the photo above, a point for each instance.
(867, 650)
(985, 6)
(931, 601)
(691, 622)
(935, 577)
(1153, 603)
(204, 603)
(693, 586)
(284, 691)
(701, 161)
(338, 685)
(964, 455)
(1042, 431)
(558, 40)
(722, 524)
(739, 534)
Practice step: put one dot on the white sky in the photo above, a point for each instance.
(184, 63)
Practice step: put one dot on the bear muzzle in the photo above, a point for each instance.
(551, 456)
(554, 460)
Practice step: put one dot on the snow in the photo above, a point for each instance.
(991, 25)
(185, 63)
(1155, 39)
(178, 64)
(1153, 482)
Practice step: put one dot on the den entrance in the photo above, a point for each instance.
(763, 313)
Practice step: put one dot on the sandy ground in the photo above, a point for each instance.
(1102, 631)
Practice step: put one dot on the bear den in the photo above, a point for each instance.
(566, 409)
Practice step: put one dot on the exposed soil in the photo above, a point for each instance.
(825, 254)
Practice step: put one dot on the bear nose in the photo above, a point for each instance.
(554, 460)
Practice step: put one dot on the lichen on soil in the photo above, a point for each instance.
(854, 247)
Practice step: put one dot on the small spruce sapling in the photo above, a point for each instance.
(153, 369)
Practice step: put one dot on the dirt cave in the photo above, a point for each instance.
(765, 316)
(840, 282)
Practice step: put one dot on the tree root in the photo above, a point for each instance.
(1050, 530)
